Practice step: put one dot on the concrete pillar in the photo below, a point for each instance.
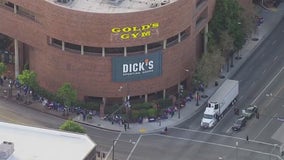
(17, 66)
(103, 52)
(15, 9)
(82, 50)
(164, 94)
(179, 37)
(146, 48)
(63, 46)
(164, 44)
(206, 38)
(146, 97)
(125, 52)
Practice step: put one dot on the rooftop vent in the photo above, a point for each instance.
(6, 150)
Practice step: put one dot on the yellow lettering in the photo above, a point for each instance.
(146, 34)
(115, 30)
(155, 25)
(145, 27)
(125, 36)
(135, 35)
(135, 29)
(126, 29)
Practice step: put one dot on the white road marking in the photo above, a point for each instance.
(265, 126)
(112, 147)
(274, 42)
(132, 150)
(228, 130)
(275, 58)
(220, 135)
(221, 145)
(267, 86)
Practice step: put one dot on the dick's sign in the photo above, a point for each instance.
(136, 67)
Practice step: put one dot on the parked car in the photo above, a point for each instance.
(239, 123)
(249, 112)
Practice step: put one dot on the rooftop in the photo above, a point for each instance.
(111, 6)
(32, 143)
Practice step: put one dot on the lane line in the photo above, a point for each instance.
(111, 149)
(132, 150)
(274, 42)
(265, 126)
(267, 85)
(221, 135)
(222, 145)
(275, 58)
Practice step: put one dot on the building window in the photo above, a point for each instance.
(72, 47)
(155, 46)
(114, 51)
(136, 49)
(7, 4)
(184, 34)
(92, 50)
(199, 3)
(56, 42)
(172, 41)
(26, 13)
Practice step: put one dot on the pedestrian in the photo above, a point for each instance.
(125, 126)
(166, 129)
(257, 115)
(247, 138)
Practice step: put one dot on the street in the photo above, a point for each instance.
(261, 84)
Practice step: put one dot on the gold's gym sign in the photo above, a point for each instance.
(135, 32)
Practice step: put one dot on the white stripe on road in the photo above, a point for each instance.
(222, 145)
(265, 126)
(112, 146)
(132, 150)
(222, 135)
(267, 86)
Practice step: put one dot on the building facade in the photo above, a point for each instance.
(108, 48)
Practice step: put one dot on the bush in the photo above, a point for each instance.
(164, 103)
(72, 126)
(151, 112)
(145, 105)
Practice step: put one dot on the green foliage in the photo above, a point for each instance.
(227, 17)
(145, 105)
(67, 94)
(164, 103)
(28, 77)
(3, 68)
(152, 112)
(208, 67)
(72, 126)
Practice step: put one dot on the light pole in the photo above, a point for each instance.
(237, 144)
(117, 140)
(197, 98)
(180, 90)
(274, 147)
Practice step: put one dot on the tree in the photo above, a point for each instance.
(72, 126)
(28, 77)
(227, 17)
(67, 94)
(3, 68)
(208, 67)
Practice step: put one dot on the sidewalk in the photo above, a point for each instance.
(271, 19)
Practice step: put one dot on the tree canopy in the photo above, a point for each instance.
(28, 77)
(67, 94)
(72, 126)
(3, 68)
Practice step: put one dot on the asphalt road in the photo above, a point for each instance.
(261, 83)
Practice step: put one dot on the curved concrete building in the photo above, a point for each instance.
(108, 48)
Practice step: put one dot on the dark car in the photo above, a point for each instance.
(239, 123)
